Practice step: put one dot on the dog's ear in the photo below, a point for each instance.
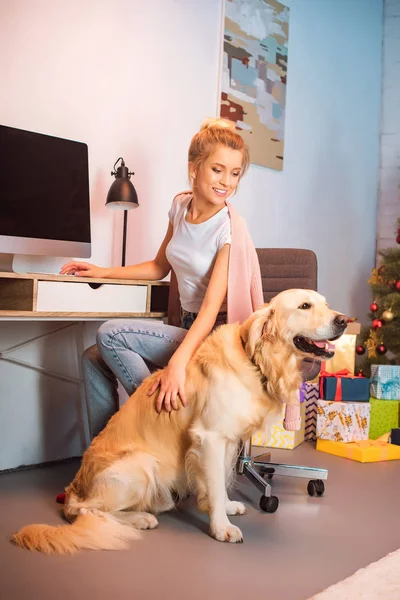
(269, 329)
(248, 324)
(261, 326)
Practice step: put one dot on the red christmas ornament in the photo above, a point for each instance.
(381, 349)
(374, 307)
(398, 238)
(377, 324)
(360, 350)
(398, 284)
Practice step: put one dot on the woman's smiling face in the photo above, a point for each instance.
(218, 176)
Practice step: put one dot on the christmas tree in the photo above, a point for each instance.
(380, 342)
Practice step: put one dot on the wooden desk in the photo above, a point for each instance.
(73, 302)
(61, 298)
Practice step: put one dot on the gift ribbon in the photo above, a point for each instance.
(388, 386)
(338, 375)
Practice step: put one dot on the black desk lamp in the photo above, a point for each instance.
(122, 196)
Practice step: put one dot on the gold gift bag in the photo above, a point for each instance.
(345, 351)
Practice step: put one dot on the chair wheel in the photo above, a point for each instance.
(269, 504)
(316, 487)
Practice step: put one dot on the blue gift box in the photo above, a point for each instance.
(353, 389)
(385, 382)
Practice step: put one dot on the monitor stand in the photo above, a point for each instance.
(26, 263)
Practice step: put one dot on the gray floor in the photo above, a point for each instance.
(307, 545)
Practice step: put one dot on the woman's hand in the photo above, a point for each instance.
(83, 269)
(172, 383)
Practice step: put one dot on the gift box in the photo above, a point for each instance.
(343, 386)
(278, 437)
(395, 436)
(385, 382)
(343, 421)
(309, 394)
(384, 417)
(363, 451)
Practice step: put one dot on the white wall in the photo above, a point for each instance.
(389, 172)
(136, 77)
(325, 198)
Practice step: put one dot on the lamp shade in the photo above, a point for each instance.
(122, 194)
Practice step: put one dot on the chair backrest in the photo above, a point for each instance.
(286, 268)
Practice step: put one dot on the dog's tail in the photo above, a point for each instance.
(91, 530)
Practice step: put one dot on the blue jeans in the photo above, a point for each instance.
(128, 350)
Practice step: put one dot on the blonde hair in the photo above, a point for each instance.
(215, 132)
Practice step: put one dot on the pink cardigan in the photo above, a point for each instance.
(245, 293)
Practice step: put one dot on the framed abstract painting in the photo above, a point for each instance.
(254, 75)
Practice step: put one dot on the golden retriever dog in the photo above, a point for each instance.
(236, 382)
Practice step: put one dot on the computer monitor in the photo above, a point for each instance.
(44, 195)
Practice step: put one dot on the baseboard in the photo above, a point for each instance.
(50, 463)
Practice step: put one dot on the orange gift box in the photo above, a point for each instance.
(363, 451)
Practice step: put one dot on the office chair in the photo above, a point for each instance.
(282, 269)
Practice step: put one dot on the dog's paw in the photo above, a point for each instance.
(141, 520)
(227, 533)
(235, 508)
(147, 521)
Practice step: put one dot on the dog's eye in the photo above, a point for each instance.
(305, 306)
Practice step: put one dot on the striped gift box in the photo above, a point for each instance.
(309, 394)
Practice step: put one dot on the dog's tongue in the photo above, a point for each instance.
(320, 344)
(324, 344)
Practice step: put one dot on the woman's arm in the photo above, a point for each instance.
(151, 270)
(172, 380)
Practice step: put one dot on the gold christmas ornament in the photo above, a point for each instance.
(387, 316)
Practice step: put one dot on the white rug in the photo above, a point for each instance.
(378, 581)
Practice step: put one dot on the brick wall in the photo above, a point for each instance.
(389, 175)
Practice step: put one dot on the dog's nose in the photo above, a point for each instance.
(341, 320)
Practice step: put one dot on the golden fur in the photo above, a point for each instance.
(235, 383)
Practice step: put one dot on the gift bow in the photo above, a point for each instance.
(338, 375)
(388, 386)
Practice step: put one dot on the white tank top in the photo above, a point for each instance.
(193, 249)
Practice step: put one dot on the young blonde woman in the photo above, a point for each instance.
(218, 279)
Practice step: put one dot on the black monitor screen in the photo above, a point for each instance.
(44, 187)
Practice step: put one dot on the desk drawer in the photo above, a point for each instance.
(75, 296)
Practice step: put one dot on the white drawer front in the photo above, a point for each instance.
(63, 296)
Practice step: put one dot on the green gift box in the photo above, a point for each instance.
(384, 417)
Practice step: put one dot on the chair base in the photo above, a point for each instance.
(255, 469)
